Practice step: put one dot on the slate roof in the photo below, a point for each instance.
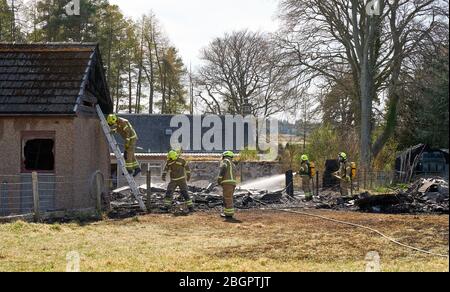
(53, 78)
(155, 132)
(151, 129)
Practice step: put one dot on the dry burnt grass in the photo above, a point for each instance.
(264, 241)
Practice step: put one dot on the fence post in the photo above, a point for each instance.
(317, 183)
(365, 179)
(149, 187)
(36, 205)
(290, 183)
(3, 192)
(98, 191)
(371, 180)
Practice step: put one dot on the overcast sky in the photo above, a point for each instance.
(192, 24)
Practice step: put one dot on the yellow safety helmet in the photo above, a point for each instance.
(343, 156)
(172, 155)
(112, 120)
(305, 157)
(228, 154)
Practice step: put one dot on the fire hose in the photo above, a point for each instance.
(356, 226)
(349, 224)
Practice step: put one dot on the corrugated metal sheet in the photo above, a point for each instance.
(46, 78)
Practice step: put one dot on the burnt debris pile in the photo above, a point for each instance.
(423, 196)
(123, 204)
(429, 196)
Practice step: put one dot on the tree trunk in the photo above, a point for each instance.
(366, 117)
(161, 75)
(151, 81)
(130, 93)
(13, 21)
(139, 79)
(118, 89)
(108, 77)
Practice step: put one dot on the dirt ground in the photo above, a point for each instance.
(264, 241)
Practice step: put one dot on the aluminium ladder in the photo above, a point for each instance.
(120, 159)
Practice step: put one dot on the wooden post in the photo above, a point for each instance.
(371, 180)
(149, 187)
(98, 191)
(351, 186)
(317, 183)
(3, 192)
(36, 205)
(365, 180)
(290, 183)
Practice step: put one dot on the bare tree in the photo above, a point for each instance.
(140, 61)
(328, 39)
(242, 69)
(11, 21)
(150, 24)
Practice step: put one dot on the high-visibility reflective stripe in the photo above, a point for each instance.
(179, 163)
(230, 166)
(189, 203)
(231, 172)
(229, 211)
(134, 137)
(229, 181)
(126, 127)
(180, 178)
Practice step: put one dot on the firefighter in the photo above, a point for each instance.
(306, 175)
(228, 182)
(180, 175)
(126, 131)
(344, 174)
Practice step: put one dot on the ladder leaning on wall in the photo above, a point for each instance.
(120, 159)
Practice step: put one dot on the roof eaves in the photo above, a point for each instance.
(50, 114)
(84, 81)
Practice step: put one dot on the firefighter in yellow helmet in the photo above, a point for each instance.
(344, 174)
(306, 175)
(124, 128)
(180, 175)
(228, 182)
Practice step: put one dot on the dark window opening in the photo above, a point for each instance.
(39, 155)
(88, 104)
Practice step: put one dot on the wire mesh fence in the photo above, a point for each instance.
(372, 180)
(24, 195)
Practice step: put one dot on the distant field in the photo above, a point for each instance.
(265, 241)
(283, 139)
